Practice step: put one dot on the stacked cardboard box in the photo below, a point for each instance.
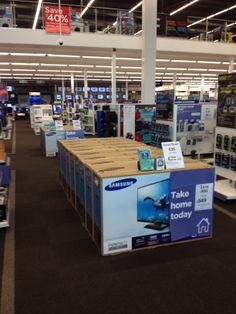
(125, 209)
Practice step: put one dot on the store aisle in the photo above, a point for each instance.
(58, 269)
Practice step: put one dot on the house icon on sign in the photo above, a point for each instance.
(203, 226)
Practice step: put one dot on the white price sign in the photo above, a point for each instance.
(59, 125)
(173, 155)
(76, 124)
(204, 196)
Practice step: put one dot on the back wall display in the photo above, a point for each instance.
(226, 111)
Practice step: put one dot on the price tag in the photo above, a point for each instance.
(173, 155)
(204, 196)
(59, 125)
(76, 124)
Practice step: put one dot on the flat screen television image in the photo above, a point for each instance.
(94, 89)
(101, 89)
(153, 205)
(57, 108)
(100, 96)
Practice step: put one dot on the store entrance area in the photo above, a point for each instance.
(57, 268)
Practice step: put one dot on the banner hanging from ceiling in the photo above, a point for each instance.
(52, 15)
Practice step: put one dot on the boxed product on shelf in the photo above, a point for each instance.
(125, 209)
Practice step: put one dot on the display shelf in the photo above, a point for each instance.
(224, 190)
(226, 173)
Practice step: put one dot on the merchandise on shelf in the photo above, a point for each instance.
(225, 143)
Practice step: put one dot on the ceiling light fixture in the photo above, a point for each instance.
(50, 71)
(96, 57)
(24, 70)
(184, 61)
(136, 6)
(37, 14)
(209, 62)
(81, 65)
(213, 15)
(53, 65)
(138, 33)
(23, 63)
(27, 54)
(86, 8)
(183, 7)
(62, 56)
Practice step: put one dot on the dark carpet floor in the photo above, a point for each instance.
(59, 271)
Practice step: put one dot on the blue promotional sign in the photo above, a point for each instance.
(191, 202)
(74, 134)
(188, 111)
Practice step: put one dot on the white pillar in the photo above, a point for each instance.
(202, 89)
(85, 84)
(149, 26)
(72, 83)
(113, 79)
(63, 93)
(231, 64)
(174, 110)
(126, 90)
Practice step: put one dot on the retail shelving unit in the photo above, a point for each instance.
(225, 139)
(4, 186)
(88, 121)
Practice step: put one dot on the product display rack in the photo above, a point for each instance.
(4, 186)
(88, 121)
(225, 139)
(113, 198)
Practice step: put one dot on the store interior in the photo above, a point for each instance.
(117, 156)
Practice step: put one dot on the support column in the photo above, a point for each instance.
(72, 84)
(126, 90)
(113, 79)
(63, 92)
(231, 65)
(85, 85)
(202, 89)
(174, 109)
(149, 26)
(55, 91)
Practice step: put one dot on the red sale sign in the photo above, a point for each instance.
(52, 17)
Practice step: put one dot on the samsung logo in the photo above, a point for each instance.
(51, 134)
(121, 184)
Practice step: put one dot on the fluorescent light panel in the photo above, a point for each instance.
(81, 65)
(136, 6)
(53, 65)
(62, 56)
(213, 15)
(139, 32)
(183, 7)
(37, 14)
(86, 8)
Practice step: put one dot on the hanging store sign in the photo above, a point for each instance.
(52, 17)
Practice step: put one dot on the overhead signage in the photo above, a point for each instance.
(173, 155)
(52, 17)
